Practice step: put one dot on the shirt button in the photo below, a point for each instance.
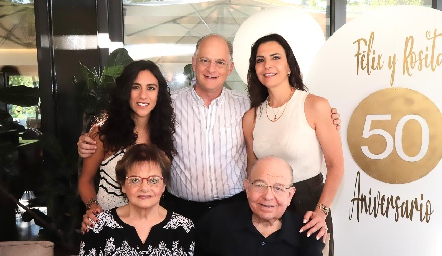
(263, 243)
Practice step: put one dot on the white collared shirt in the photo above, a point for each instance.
(211, 159)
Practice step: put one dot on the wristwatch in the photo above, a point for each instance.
(323, 208)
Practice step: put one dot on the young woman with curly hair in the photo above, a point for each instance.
(140, 111)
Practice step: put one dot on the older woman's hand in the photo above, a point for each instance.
(315, 221)
(89, 218)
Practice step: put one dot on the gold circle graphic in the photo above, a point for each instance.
(395, 135)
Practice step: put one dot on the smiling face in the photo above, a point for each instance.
(144, 196)
(267, 205)
(271, 64)
(212, 64)
(144, 94)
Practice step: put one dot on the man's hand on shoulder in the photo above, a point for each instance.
(86, 146)
(336, 118)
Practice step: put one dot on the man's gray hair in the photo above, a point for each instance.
(229, 44)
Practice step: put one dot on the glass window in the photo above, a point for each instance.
(18, 57)
(29, 117)
(358, 7)
(166, 32)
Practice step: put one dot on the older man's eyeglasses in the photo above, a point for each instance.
(262, 187)
(218, 63)
(136, 181)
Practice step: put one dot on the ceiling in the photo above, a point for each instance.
(173, 26)
(17, 37)
(166, 32)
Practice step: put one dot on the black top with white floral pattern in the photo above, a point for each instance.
(111, 236)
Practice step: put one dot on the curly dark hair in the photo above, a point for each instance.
(257, 91)
(142, 153)
(117, 132)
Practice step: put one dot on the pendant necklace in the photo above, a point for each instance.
(275, 115)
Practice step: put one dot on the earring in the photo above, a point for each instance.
(288, 74)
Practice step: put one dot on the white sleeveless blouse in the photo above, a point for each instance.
(290, 137)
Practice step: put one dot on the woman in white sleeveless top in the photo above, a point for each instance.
(288, 122)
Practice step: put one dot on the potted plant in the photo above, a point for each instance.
(59, 169)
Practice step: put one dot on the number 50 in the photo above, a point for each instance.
(397, 137)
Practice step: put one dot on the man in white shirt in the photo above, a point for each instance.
(209, 168)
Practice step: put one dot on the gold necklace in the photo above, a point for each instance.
(276, 118)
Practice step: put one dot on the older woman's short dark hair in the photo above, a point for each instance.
(142, 153)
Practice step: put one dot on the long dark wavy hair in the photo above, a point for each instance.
(117, 132)
(258, 93)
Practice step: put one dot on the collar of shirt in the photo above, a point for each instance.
(200, 100)
(288, 232)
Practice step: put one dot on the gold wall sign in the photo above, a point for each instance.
(377, 204)
(414, 59)
(395, 135)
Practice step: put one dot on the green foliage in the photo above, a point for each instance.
(59, 191)
(372, 4)
(20, 112)
(118, 58)
(312, 4)
(52, 147)
(23, 1)
(23, 96)
(27, 81)
(376, 3)
(95, 88)
(189, 73)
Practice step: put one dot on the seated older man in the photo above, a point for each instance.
(261, 227)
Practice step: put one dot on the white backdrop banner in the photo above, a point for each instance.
(383, 72)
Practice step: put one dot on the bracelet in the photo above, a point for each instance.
(323, 208)
(91, 202)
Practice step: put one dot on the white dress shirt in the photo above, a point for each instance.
(211, 159)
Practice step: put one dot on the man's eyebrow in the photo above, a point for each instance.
(218, 59)
(213, 59)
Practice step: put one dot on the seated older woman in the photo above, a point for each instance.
(142, 227)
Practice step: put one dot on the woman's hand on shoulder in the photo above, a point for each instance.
(90, 218)
(315, 222)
